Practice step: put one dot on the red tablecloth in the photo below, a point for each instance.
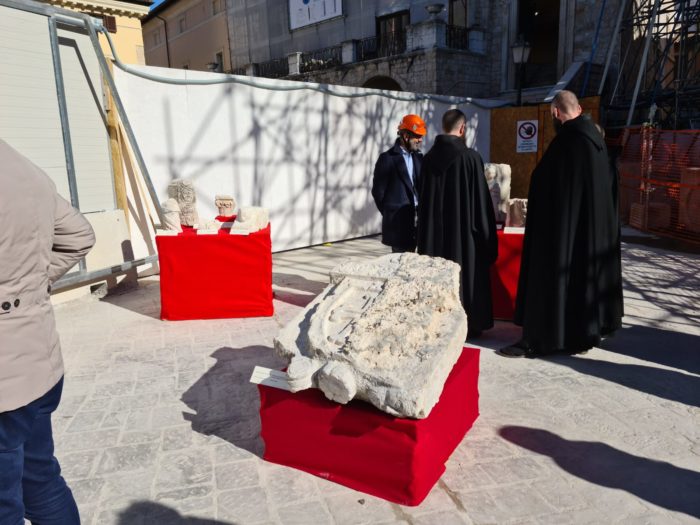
(365, 449)
(504, 274)
(215, 276)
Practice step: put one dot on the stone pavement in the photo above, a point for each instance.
(159, 424)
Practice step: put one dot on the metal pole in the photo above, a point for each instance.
(643, 62)
(611, 47)
(63, 113)
(122, 114)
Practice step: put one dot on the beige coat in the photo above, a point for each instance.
(41, 238)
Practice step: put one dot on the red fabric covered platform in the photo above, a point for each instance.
(504, 274)
(215, 276)
(363, 448)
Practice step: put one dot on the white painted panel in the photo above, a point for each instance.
(86, 117)
(29, 117)
(306, 156)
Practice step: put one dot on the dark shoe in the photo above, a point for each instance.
(519, 349)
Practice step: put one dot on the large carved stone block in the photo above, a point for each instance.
(387, 331)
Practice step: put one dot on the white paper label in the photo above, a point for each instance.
(513, 229)
(270, 377)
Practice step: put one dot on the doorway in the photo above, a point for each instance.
(538, 23)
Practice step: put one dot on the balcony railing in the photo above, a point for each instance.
(277, 68)
(239, 71)
(367, 49)
(383, 45)
(327, 58)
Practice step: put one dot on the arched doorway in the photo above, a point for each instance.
(382, 82)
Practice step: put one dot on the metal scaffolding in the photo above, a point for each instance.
(658, 78)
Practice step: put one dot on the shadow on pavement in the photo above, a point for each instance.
(657, 482)
(674, 349)
(225, 403)
(151, 513)
(659, 382)
(296, 282)
(143, 299)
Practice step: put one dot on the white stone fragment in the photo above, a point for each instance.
(517, 213)
(498, 178)
(171, 215)
(250, 219)
(387, 331)
(183, 192)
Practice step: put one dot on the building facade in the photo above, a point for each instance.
(462, 48)
(122, 18)
(454, 47)
(188, 34)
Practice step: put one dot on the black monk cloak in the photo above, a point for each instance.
(456, 222)
(570, 285)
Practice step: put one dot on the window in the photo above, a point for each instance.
(156, 38)
(457, 15)
(216, 6)
(219, 59)
(185, 66)
(182, 25)
(391, 33)
(110, 23)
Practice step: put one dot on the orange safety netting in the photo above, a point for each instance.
(660, 181)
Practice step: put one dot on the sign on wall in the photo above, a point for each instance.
(306, 12)
(527, 136)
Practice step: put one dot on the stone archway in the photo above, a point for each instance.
(382, 82)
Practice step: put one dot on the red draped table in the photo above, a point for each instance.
(363, 448)
(504, 274)
(215, 276)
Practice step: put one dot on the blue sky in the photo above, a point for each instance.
(157, 3)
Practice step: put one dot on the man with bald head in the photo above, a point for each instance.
(570, 284)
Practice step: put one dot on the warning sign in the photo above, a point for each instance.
(527, 136)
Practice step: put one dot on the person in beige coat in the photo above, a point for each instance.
(41, 238)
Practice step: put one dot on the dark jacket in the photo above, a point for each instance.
(394, 196)
(570, 285)
(456, 222)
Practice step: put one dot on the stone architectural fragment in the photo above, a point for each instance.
(183, 192)
(387, 331)
(498, 178)
(517, 213)
(226, 205)
(171, 215)
(250, 219)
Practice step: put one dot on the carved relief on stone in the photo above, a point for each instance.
(183, 192)
(226, 205)
(517, 213)
(386, 331)
(171, 215)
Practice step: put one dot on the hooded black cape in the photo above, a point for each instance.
(456, 222)
(570, 285)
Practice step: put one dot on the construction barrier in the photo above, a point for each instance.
(660, 182)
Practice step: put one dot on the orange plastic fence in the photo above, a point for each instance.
(660, 182)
